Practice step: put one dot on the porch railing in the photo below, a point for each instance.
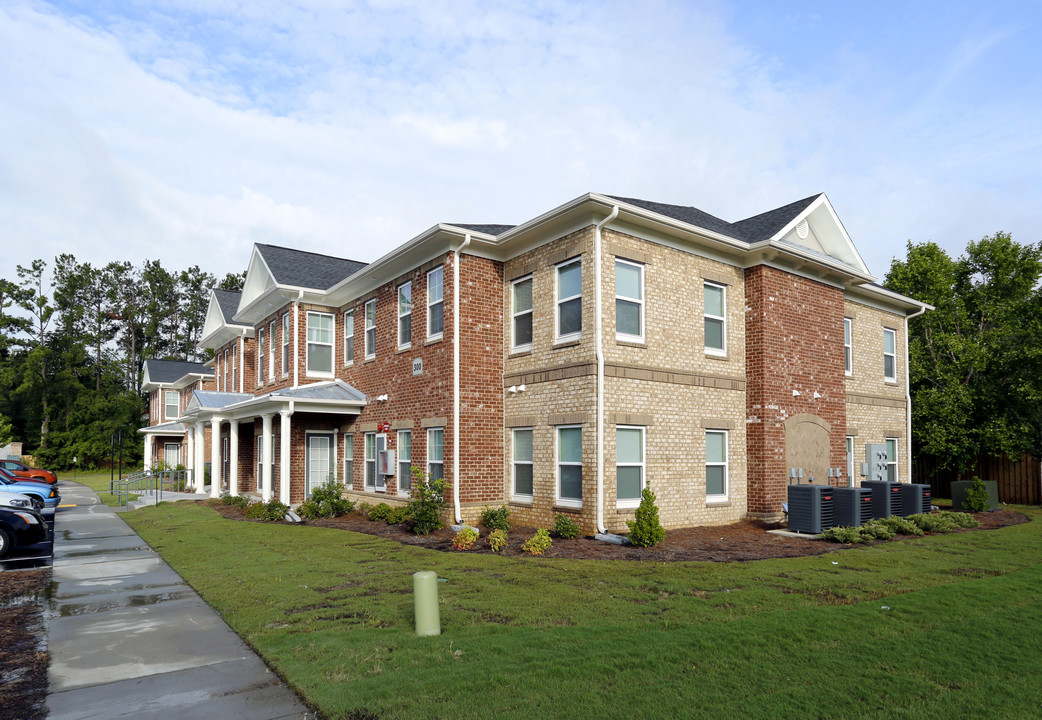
(149, 481)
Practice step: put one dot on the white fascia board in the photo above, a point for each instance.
(258, 279)
(273, 299)
(767, 254)
(887, 300)
(224, 335)
(268, 403)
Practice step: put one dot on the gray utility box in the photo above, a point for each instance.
(886, 497)
(810, 508)
(853, 506)
(915, 499)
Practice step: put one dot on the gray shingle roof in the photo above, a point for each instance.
(168, 371)
(765, 225)
(299, 268)
(488, 229)
(212, 399)
(228, 302)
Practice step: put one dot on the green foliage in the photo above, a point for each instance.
(976, 499)
(379, 511)
(496, 518)
(887, 528)
(900, 526)
(497, 540)
(327, 500)
(465, 538)
(397, 515)
(239, 501)
(565, 528)
(943, 521)
(846, 535)
(428, 500)
(272, 511)
(645, 528)
(538, 543)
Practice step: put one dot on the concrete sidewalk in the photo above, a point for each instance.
(130, 639)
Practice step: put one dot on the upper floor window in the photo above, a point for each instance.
(404, 315)
(271, 355)
(629, 301)
(521, 312)
(285, 344)
(569, 299)
(435, 303)
(715, 318)
(349, 337)
(171, 404)
(848, 345)
(370, 329)
(889, 354)
(260, 356)
(235, 366)
(227, 387)
(716, 464)
(320, 344)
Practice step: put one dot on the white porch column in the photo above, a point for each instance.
(200, 457)
(266, 456)
(148, 452)
(233, 457)
(215, 457)
(190, 449)
(284, 447)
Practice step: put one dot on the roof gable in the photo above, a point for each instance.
(156, 373)
(818, 229)
(302, 269)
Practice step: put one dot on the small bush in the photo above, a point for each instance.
(428, 499)
(398, 515)
(364, 508)
(565, 528)
(326, 501)
(877, 530)
(961, 519)
(944, 521)
(645, 528)
(901, 526)
(239, 501)
(538, 543)
(273, 511)
(465, 538)
(845, 535)
(497, 540)
(496, 518)
(976, 498)
(379, 512)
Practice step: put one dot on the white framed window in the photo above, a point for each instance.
(370, 329)
(715, 318)
(349, 337)
(521, 313)
(629, 465)
(521, 482)
(271, 355)
(227, 387)
(629, 301)
(848, 346)
(436, 453)
(370, 461)
(319, 361)
(405, 461)
(889, 355)
(850, 460)
(404, 315)
(285, 344)
(435, 303)
(260, 356)
(171, 404)
(260, 459)
(569, 305)
(235, 367)
(349, 459)
(891, 460)
(570, 465)
(716, 465)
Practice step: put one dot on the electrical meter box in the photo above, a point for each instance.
(876, 460)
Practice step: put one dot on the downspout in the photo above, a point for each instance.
(908, 391)
(598, 344)
(296, 338)
(455, 378)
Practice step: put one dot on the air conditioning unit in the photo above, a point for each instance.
(853, 506)
(810, 508)
(886, 497)
(915, 499)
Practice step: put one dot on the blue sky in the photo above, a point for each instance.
(187, 130)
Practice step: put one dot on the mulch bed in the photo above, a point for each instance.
(23, 654)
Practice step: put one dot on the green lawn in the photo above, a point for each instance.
(934, 627)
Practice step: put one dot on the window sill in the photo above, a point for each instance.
(520, 351)
(716, 356)
(433, 339)
(570, 342)
(890, 381)
(630, 342)
(403, 349)
(319, 376)
(349, 364)
(717, 503)
(369, 360)
(522, 501)
(568, 508)
(626, 509)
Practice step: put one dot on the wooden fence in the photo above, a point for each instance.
(1019, 481)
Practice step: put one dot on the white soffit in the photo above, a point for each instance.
(819, 229)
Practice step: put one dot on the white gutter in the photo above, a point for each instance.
(296, 338)
(455, 377)
(908, 391)
(598, 344)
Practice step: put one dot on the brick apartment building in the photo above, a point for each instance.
(557, 366)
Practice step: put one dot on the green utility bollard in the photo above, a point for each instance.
(425, 600)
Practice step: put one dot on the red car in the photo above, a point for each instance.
(19, 468)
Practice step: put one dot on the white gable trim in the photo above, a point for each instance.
(828, 232)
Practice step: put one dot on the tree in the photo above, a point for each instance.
(35, 381)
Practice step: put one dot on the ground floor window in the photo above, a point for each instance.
(404, 461)
(349, 458)
(370, 461)
(716, 464)
(629, 465)
(522, 464)
(436, 453)
(891, 459)
(850, 460)
(570, 465)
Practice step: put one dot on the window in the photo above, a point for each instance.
(404, 461)
(436, 453)
(260, 459)
(235, 366)
(716, 464)
(227, 387)
(435, 303)
(320, 344)
(522, 445)
(349, 337)
(271, 355)
(521, 310)
(171, 404)
(889, 354)
(349, 459)
(570, 465)
(404, 315)
(850, 461)
(629, 301)
(569, 300)
(370, 461)
(715, 318)
(285, 344)
(260, 356)
(629, 465)
(370, 329)
(891, 460)
(848, 346)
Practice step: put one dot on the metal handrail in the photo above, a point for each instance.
(148, 481)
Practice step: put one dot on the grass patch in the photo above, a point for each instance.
(544, 638)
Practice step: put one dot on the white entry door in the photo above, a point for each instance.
(319, 460)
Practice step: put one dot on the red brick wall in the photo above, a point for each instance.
(794, 340)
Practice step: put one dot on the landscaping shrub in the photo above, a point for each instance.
(645, 529)
(428, 499)
(270, 511)
(901, 526)
(877, 530)
(976, 498)
(538, 543)
(944, 521)
(845, 535)
(886, 528)
(465, 538)
(398, 515)
(496, 518)
(326, 501)
(497, 540)
(379, 512)
(565, 528)
(239, 501)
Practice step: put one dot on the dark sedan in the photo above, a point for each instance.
(19, 528)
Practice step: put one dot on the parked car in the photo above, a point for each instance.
(19, 468)
(40, 494)
(14, 500)
(19, 528)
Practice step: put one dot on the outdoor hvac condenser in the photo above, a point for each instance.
(886, 497)
(853, 506)
(810, 508)
(915, 499)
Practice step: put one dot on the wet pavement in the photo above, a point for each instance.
(130, 639)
